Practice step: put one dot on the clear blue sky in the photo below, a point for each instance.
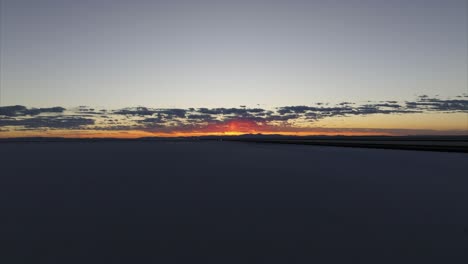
(114, 53)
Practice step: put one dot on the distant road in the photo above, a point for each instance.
(442, 146)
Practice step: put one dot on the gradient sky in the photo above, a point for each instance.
(209, 54)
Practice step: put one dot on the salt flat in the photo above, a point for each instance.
(230, 202)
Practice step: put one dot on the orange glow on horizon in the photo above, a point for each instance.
(234, 127)
(140, 134)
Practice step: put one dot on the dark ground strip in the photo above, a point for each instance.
(339, 143)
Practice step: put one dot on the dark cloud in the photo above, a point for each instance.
(388, 105)
(19, 110)
(201, 117)
(137, 111)
(230, 111)
(343, 109)
(318, 112)
(377, 109)
(151, 120)
(435, 104)
(171, 113)
(144, 111)
(88, 110)
(287, 117)
(174, 119)
(53, 122)
(301, 109)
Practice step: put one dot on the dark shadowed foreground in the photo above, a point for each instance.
(230, 202)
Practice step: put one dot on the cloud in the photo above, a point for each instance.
(19, 110)
(144, 111)
(388, 105)
(435, 104)
(301, 109)
(151, 120)
(53, 122)
(276, 117)
(230, 111)
(177, 119)
(377, 109)
(201, 117)
(345, 109)
(174, 112)
(137, 111)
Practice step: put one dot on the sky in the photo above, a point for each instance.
(255, 57)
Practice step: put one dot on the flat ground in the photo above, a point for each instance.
(230, 202)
